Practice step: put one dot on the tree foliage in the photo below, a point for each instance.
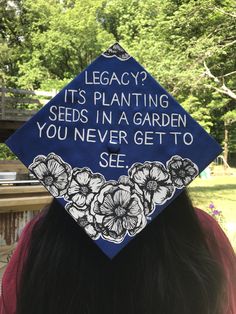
(187, 45)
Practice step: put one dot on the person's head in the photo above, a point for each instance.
(166, 269)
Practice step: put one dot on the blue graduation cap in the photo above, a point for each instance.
(114, 148)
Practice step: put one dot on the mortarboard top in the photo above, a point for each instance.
(114, 148)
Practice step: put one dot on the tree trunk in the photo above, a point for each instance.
(226, 142)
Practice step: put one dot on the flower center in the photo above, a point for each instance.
(48, 180)
(120, 211)
(182, 173)
(152, 185)
(84, 190)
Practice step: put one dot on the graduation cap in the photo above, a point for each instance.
(114, 148)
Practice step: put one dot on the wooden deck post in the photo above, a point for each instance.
(3, 103)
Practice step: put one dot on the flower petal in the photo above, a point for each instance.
(129, 223)
(191, 170)
(40, 170)
(89, 229)
(39, 158)
(55, 167)
(53, 190)
(96, 207)
(125, 180)
(142, 221)
(178, 182)
(173, 174)
(159, 173)
(134, 168)
(74, 183)
(122, 198)
(79, 199)
(82, 222)
(107, 207)
(83, 177)
(140, 176)
(89, 198)
(148, 208)
(147, 196)
(113, 224)
(99, 218)
(73, 189)
(163, 193)
(61, 181)
(134, 208)
(176, 164)
(95, 184)
(75, 212)
(187, 180)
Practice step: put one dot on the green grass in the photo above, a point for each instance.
(221, 191)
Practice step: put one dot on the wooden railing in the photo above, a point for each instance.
(20, 200)
(13, 165)
(22, 193)
(23, 198)
(20, 105)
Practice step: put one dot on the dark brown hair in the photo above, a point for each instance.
(167, 269)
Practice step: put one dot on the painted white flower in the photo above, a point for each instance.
(118, 211)
(116, 51)
(84, 219)
(152, 180)
(53, 173)
(182, 171)
(83, 186)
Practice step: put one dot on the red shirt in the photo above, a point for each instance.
(218, 243)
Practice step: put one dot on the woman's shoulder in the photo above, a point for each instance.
(209, 225)
(11, 276)
(221, 249)
(213, 232)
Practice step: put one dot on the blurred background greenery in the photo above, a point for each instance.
(187, 45)
(216, 195)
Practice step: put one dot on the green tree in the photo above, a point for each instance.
(52, 40)
(187, 45)
(60, 47)
(182, 43)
